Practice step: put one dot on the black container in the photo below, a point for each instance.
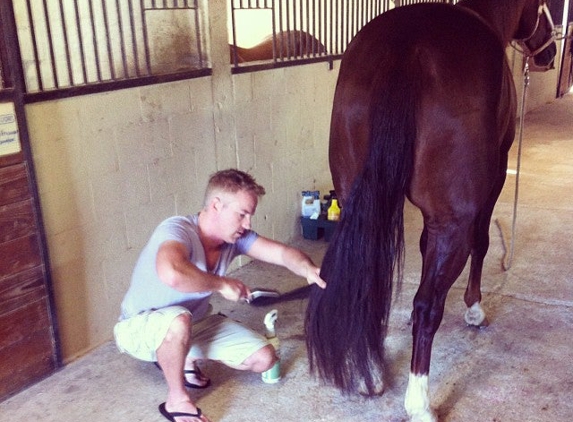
(316, 229)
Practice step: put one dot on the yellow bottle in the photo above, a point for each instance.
(333, 213)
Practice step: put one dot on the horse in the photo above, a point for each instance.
(424, 109)
(286, 45)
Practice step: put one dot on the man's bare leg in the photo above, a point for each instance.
(171, 356)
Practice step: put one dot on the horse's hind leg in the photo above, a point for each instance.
(445, 252)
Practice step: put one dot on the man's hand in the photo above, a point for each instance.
(313, 276)
(233, 289)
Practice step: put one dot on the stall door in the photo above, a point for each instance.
(28, 345)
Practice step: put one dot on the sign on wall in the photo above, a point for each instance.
(9, 136)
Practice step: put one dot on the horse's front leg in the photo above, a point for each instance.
(475, 315)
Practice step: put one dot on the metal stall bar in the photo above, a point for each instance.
(135, 51)
(198, 30)
(34, 45)
(121, 39)
(94, 41)
(50, 44)
(66, 42)
(82, 57)
(108, 39)
(72, 47)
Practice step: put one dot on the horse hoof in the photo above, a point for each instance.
(417, 400)
(424, 417)
(475, 316)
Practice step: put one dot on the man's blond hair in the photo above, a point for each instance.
(232, 181)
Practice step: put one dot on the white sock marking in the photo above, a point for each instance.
(417, 400)
(475, 315)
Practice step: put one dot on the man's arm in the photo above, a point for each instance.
(277, 253)
(175, 270)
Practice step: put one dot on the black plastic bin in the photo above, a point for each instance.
(316, 229)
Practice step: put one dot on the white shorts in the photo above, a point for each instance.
(215, 337)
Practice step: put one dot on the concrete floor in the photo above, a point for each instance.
(517, 369)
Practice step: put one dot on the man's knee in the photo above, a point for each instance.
(262, 360)
(180, 327)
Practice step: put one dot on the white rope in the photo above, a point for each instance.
(508, 255)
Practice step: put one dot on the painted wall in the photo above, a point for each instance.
(111, 166)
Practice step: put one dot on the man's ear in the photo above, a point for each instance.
(216, 203)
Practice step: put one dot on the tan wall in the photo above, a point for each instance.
(111, 166)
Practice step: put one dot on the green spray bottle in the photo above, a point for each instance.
(273, 375)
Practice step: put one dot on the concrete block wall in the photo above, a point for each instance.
(111, 166)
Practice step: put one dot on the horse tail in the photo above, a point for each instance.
(346, 323)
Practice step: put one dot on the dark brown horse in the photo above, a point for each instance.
(424, 109)
(286, 45)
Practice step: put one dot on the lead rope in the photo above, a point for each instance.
(508, 255)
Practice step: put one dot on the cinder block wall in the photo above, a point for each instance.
(111, 166)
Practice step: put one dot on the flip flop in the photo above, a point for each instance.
(172, 415)
(197, 372)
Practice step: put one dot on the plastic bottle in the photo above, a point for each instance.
(310, 206)
(272, 375)
(333, 213)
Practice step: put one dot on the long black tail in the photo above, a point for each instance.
(347, 322)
